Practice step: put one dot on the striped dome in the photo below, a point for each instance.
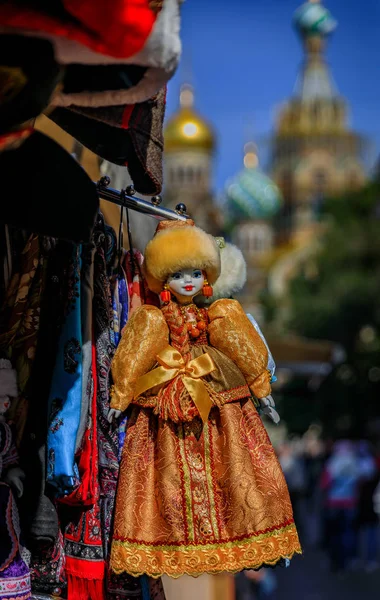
(314, 19)
(252, 195)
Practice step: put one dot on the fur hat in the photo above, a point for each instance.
(180, 245)
(233, 273)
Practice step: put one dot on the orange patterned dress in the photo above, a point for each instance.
(196, 496)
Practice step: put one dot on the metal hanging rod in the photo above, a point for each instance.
(127, 198)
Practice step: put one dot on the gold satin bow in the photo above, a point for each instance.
(172, 365)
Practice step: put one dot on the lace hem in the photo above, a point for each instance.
(250, 553)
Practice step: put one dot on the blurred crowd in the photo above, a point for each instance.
(335, 492)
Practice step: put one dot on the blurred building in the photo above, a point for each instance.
(314, 151)
(189, 152)
(252, 200)
(314, 154)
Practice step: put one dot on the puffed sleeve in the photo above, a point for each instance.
(231, 331)
(144, 336)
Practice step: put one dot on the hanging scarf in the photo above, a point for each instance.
(120, 307)
(20, 324)
(120, 303)
(38, 515)
(66, 391)
(125, 587)
(87, 293)
(85, 564)
(107, 433)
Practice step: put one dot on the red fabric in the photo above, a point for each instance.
(119, 28)
(78, 589)
(77, 567)
(127, 115)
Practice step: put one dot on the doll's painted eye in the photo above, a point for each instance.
(177, 275)
(197, 273)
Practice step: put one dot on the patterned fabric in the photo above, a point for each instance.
(85, 561)
(38, 514)
(14, 573)
(8, 451)
(231, 331)
(120, 306)
(145, 335)
(107, 433)
(128, 293)
(20, 324)
(84, 538)
(87, 293)
(207, 523)
(15, 587)
(193, 497)
(66, 391)
(48, 571)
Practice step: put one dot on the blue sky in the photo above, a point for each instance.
(242, 57)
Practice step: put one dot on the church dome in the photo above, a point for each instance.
(251, 194)
(186, 130)
(313, 19)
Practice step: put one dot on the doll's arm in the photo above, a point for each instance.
(231, 331)
(144, 336)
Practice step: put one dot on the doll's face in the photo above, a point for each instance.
(188, 282)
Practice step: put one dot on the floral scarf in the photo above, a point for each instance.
(65, 397)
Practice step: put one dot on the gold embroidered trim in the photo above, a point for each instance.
(175, 561)
(187, 481)
(209, 479)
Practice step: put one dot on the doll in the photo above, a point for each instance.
(14, 573)
(200, 487)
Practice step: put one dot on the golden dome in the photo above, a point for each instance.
(186, 130)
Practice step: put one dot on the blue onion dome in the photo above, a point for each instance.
(251, 194)
(313, 19)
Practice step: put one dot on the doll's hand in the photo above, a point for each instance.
(113, 415)
(15, 479)
(267, 406)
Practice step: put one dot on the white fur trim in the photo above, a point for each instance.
(233, 274)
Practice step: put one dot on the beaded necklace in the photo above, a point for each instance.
(201, 325)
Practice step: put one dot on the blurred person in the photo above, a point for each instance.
(292, 463)
(314, 457)
(367, 519)
(255, 585)
(339, 482)
(314, 460)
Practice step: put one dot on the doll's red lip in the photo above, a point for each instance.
(188, 288)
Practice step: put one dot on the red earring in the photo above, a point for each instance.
(207, 289)
(165, 295)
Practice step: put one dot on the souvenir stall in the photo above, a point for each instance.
(131, 440)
